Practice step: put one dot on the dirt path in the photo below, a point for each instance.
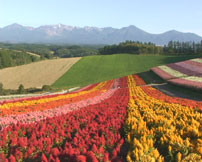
(153, 84)
(33, 54)
(30, 53)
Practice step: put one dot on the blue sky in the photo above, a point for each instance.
(154, 16)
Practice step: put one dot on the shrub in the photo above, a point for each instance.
(46, 88)
(21, 89)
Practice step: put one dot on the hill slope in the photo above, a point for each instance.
(94, 69)
(35, 74)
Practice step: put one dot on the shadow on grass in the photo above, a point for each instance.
(151, 78)
(179, 91)
(178, 58)
(172, 90)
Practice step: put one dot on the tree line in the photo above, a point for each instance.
(132, 47)
(10, 58)
(176, 47)
(135, 47)
(48, 51)
(22, 90)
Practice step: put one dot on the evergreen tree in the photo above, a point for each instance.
(1, 88)
(21, 89)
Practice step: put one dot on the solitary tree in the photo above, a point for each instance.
(21, 89)
(1, 88)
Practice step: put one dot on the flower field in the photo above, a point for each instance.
(113, 121)
(187, 73)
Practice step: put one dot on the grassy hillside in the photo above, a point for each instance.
(10, 58)
(94, 69)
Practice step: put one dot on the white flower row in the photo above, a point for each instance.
(197, 60)
(194, 78)
(172, 72)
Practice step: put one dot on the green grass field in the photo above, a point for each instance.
(93, 69)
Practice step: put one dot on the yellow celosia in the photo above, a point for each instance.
(152, 121)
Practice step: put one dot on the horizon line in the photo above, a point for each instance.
(1, 27)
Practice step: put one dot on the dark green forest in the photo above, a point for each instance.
(173, 48)
(132, 48)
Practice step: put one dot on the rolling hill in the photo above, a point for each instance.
(93, 69)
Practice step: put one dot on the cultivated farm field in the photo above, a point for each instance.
(35, 74)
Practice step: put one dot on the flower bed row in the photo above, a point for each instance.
(49, 103)
(156, 127)
(167, 73)
(192, 82)
(92, 134)
(49, 98)
(14, 100)
(161, 131)
(177, 100)
(189, 67)
(155, 93)
(187, 73)
(184, 70)
(33, 116)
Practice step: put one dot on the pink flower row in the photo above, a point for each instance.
(186, 83)
(40, 115)
(162, 74)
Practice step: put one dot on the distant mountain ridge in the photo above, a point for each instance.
(63, 34)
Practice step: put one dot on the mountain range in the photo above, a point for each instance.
(63, 34)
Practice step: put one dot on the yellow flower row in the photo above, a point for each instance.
(160, 131)
(45, 100)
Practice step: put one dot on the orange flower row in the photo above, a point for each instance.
(49, 103)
